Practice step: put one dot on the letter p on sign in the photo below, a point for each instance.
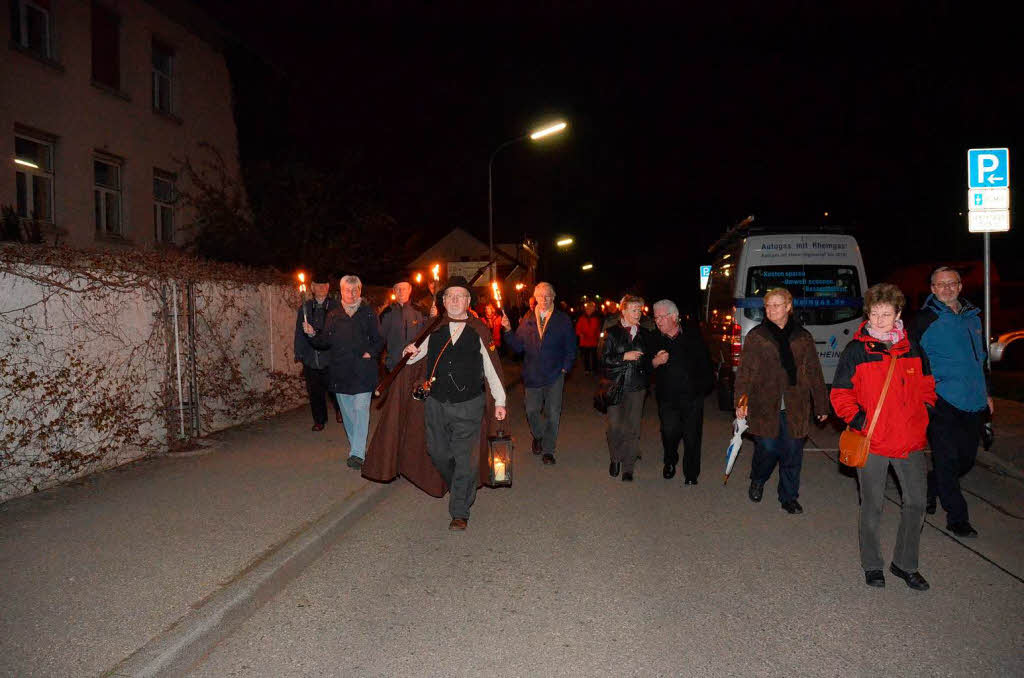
(988, 167)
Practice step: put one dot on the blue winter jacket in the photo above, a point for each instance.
(955, 346)
(544, 361)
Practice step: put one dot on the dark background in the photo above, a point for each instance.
(682, 122)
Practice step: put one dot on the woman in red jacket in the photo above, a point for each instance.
(899, 437)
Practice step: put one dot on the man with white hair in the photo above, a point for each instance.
(353, 339)
(547, 337)
(683, 373)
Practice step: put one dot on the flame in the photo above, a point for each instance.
(419, 278)
(519, 287)
(302, 277)
(302, 289)
(436, 270)
(496, 292)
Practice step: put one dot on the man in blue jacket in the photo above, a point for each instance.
(547, 338)
(949, 330)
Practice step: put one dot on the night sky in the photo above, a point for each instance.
(682, 122)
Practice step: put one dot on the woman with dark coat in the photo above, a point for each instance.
(899, 437)
(625, 353)
(780, 375)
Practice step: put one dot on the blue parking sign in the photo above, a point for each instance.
(988, 167)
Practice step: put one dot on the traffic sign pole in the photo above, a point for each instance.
(988, 205)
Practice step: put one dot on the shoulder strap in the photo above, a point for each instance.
(881, 398)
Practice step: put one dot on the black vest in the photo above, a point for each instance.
(460, 371)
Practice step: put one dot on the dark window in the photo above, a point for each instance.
(163, 74)
(106, 46)
(30, 25)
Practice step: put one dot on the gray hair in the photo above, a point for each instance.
(352, 280)
(668, 306)
(943, 269)
(544, 284)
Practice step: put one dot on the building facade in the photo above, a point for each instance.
(100, 104)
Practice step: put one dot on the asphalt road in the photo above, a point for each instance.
(573, 573)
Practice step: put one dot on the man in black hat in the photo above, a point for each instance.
(400, 323)
(315, 362)
(459, 362)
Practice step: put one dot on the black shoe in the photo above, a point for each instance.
(914, 579)
(756, 491)
(613, 468)
(930, 507)
(536, 446)
(548, 459)
(318, 427)
(792, 506)
(874, 578)
(627, 476)
(669, 471)
(963, 529)
(354, 462)
(690, 481)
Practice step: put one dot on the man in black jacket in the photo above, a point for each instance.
(315, 362)
(683, 374)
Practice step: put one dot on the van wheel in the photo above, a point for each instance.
(725, 398)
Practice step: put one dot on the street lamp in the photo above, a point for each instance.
(587, 267)
(538, 134)
(564, 242)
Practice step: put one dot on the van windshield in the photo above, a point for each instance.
(822, 295)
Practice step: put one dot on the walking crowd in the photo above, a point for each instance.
(907, 388)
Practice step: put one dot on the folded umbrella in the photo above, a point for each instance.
(738, 427)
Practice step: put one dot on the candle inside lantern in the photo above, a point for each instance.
(499, 471)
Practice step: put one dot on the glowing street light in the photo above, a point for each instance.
(547, 131)
(564, 242)
(539, 134)
(587, 267)
(26, 163)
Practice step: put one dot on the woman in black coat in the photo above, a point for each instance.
(625, 354)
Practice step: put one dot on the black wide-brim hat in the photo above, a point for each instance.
(455, 281)
(320, 276)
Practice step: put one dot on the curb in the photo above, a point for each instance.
(178, 649)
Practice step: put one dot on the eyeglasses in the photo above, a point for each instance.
(952, 285)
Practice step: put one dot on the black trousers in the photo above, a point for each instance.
(953, 435)
(316, 389)
(453, 443)
(682, 420)
(589, 354)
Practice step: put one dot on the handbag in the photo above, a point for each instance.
(853, 445)
(609, 392)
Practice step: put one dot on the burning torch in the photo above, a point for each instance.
(496, 292)
(302, 291)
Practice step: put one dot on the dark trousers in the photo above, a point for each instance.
(682, 420)
(953, 435)
(623, 431)
(543, 410)
(910, 473)
(316, 388)
(787, 452)
(453, 442)
(589, 355)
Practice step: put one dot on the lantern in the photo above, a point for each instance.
(499, 459)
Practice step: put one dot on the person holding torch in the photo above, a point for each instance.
(315, 362)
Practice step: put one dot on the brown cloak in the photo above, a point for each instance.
(399, 443)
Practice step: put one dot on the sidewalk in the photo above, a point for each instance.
(96, 570)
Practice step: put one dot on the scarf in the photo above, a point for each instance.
(782, 336)
(351, 310)
(893, 336)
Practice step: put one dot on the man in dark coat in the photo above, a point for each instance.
(351, 336)
(314, 362)
(547, 338)
(400, 323)
(682, 369)
(460, 361)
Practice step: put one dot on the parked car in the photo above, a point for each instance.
(1008, 349)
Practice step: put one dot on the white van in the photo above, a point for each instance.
(823, 271)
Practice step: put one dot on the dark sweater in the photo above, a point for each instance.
(688, 373)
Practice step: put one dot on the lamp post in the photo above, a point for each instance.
(539, 134)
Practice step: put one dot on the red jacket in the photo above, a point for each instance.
(588, 329)
(903, 424)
